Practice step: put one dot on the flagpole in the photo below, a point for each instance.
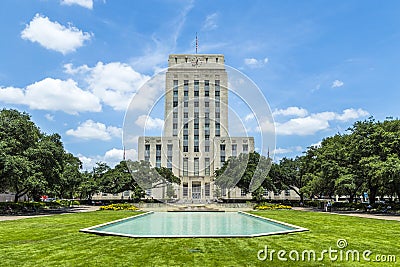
(197, 43)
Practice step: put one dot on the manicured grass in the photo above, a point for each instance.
(56, 241)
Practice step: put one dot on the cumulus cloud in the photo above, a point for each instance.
(351, 114)
(287, 150)
(255, 63)
(316, 122)
(291, 111)
(95, 130)
(114, 83)
(210, 22)
(112, 157)
(53, 35)
(52, 94)
(308, 124)
(147, 122)
(337, 83)
(83, 3)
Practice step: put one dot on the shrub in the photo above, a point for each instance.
(269, 206)
(119, 206)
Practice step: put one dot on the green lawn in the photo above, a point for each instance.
(56, 241)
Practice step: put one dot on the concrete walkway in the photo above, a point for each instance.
(355, 214)
(72, 210)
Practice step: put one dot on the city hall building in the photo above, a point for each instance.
(196, 139)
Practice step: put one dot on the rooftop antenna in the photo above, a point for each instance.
(197, 43)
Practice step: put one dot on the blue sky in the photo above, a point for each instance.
(75, 64)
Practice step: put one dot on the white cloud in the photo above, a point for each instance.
(288, 150)
(337, 83)
(112, 157)
(53, 35)
(52, 94)
(249, 117)
(114, 83)
(210, 22)
(95, 130)
(147, 122)
(350, 114)
(49, 117)
(316, 122)
(255, 63)
(83, 3)
(291, 111)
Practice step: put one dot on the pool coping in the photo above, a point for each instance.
(105, 233)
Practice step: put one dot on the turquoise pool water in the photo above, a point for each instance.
(194, 224)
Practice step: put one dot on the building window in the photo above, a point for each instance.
(287, 193)
(169, 162)
(185, 115)
(196, 148)
(217, 104)
(196, 126)
(186, 93)
(196, 115)
(242, 193)
(185, 149)
(175, 93)
(276, 194)
(185, 104)
(207, 189)
(206, 104)
(222, 147)
(185, 166)
(196, 104)
(185, 189)
(158, 161)
(217, 93)
(175, 104)
(245, 148)
(196, 93)
(234, 150)
(196, 85)
(186, 126)
(207, 137)
(217, 129)
(175, 84)
(185, 137)
(175, 115)
(186, 85)
(217, 85)
(217, 115)
(196, 166)
(206, 148)
(175, 126)
(126, 193)
(265, 193)
(207, 166)
(222, 160)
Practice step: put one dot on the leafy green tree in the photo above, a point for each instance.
(246, 171)
(31, 162)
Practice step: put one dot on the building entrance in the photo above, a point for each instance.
(196, 190)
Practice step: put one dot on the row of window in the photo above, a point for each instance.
(222, 148)
(185, 191)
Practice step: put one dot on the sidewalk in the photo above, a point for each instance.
(71, 210)
(361, 215)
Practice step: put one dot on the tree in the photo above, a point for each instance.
(71, 177)
(31, 162)
(246, 171)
